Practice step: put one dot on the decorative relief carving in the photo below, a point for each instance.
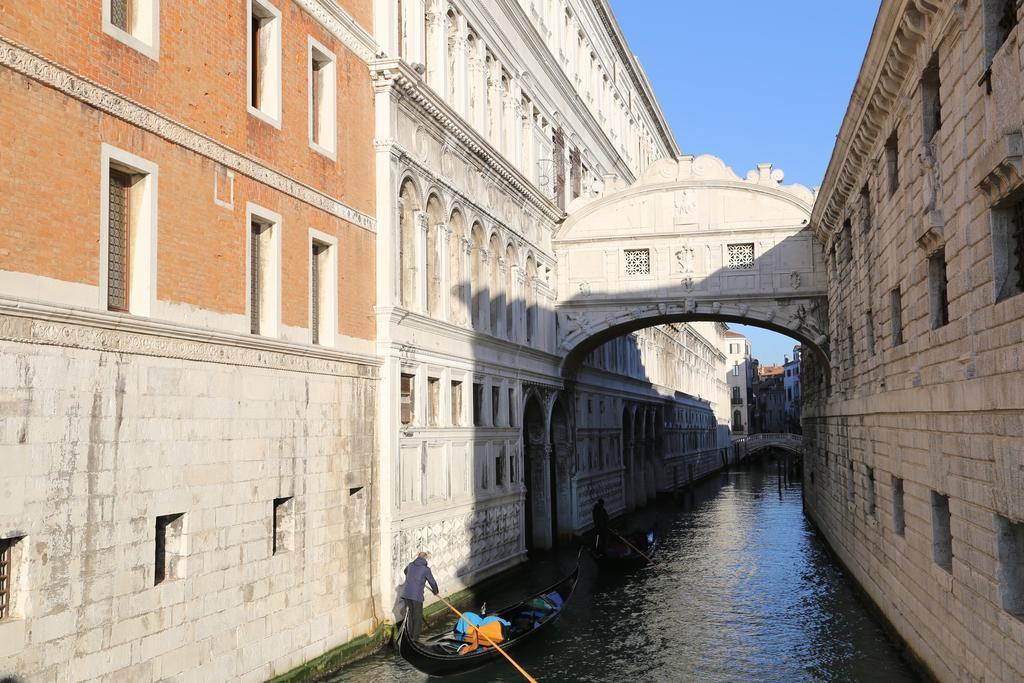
(685, 257)
(39, 69)
(794, 280)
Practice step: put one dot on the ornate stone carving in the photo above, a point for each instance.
(794, 280)
(685, 258)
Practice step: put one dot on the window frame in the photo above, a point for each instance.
(329, 96)
(328, 306)
(270, 319)
(274, 116)
(144, 36)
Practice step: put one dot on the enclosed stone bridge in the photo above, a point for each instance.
(691, 240)
(794, 443)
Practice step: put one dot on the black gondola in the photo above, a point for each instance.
(439, 655)
(617, 554)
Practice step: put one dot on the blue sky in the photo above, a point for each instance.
(753, 82)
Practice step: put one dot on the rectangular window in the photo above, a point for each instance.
(8, 548)
(316, 291)
(850, 484)
(899, 524)
(869, 328)
(871, 491)
(1008, 249)
(511, 407)
(433, 401)
(323, 288)
(408, 398)
(896, 314)
(867, 211)
(892, 163)
(942, 535)
(513, 468)
(495, 403)
(740, 256)
(1010, 547)
(136, 23)
(638, 261)
(283, 530)
(850, 351)
(736, 370)
(478, 404)
(937, 289)
(265, 61)
(263, 259)
(499, 468)
(169, 560)
(1000, 18)
(456, 403)
(322, 99)
(931, 107)
(128, 244)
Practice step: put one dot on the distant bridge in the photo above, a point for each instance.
(749, 445)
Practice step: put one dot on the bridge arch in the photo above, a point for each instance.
(691, 240)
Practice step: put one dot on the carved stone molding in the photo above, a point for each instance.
(342, 26)
(1000, 170)
(38, 68)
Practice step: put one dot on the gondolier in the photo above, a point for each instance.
(417, 573)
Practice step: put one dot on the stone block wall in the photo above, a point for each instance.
(105, 430)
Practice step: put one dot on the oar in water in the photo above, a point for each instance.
(494, 644)
(642, 553)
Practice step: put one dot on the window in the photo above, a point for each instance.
(638, 261)
(899, 524)
(896, 313)
(942, 536)
(170, 548)
(264, 258)
(433, 401)
(866, 208)
(892, 163)
(264, 81)
(871, 491)
(850, 351)
(736, 394)
(495, 403)
(283, 525)
(736, 369)
(1010, 549)
(846, 241)
(136, 23)
(323, 99)
(128, 203)
(8, 575)
(323, 289)
(850, 484)
(741, 256)
(1000, 18)
(937, 289)
(456, 403)
(499, 468)
(408, 399)
(931, 107)
(869, 328)
(511, 422)
(1008, 249)
(513, 468)
(478, 404)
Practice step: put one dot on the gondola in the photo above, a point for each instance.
(439, 655)
(616, 554)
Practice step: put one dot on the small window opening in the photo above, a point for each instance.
(456, 403)
(942, 535)
(169, 558)
(850, 484)
(867, 215)
(1010, 546)
(937, 289)
(433, 401)
(495, 404)
(850, 351)
(316, 294)
(259, 246)
(8, 574)
(899, 524)
(283, 530)
(869, 328)
(931, 107)
(478, 404)
(896, 306)
(408, 398)
(499, 468)
(892, 163)
(871, 491)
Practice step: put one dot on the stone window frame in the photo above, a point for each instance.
(144, 219)
(728, 256)
(270, 319)
(143, 35)
(633, 261)
(317, 52)
(327, 335)
(282, 525)
(269, 111)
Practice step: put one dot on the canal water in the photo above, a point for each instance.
(743, 589)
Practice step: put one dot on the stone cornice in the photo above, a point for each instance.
(900, 29)
(342, 26)
(36, 323)
(28, 63)
(397, 74)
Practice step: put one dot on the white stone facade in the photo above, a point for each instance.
(739, 376)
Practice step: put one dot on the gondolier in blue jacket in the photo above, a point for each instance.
(417, 573)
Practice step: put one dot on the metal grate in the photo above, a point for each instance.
(741, 256)
(255, 276)
(118, 241)
(6, 571)
(314, 264)
(120, 14)
(638, 261)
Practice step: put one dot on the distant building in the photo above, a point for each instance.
(768, 405)
(791, 382)
(739, 372)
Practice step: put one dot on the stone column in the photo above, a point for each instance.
(499, 328)
(421, 261)
(458, 86)
(436, 48)
(494, 104)
(444, 234)
(484, 297)
(540, 494)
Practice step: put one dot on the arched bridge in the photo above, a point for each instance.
(756, 442)
(690, 240)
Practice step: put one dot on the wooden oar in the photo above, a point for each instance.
(496, 646)
(642, 553)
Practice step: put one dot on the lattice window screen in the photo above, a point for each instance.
(120, 11)
(741, 256)
(117, 241)
(638, 261)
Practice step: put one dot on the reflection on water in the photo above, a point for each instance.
(742, 589)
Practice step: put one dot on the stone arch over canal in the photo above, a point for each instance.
(691, 240)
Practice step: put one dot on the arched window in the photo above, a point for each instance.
(495, 284)
(408, 206)
(434, 217)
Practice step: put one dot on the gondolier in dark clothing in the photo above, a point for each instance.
(600, 523)
(417, 573)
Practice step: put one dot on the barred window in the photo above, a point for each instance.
(638, 261)
(118, 240)
(6, 574)
(257, 273)
(741, 256)
(120, 14)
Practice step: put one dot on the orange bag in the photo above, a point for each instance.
(475, 637)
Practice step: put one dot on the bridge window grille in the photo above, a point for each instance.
(942, 535)
(899, 523)
(638, 261)
(741, 256)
